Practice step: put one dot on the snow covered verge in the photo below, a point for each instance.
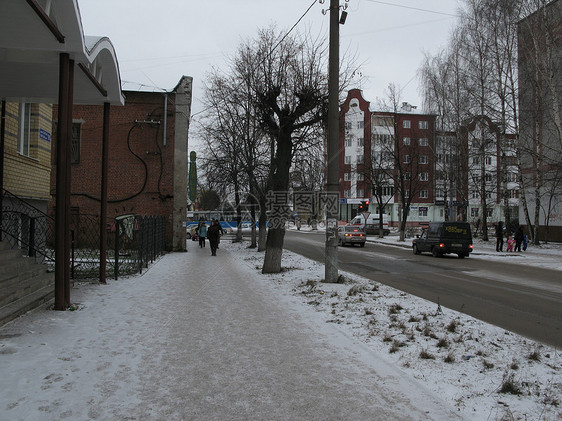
(487, 373)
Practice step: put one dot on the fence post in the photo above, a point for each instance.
(116, 268)
(31, 252)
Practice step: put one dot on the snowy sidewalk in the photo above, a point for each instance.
(197, 337)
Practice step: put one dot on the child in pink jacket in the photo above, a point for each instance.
(510, 243)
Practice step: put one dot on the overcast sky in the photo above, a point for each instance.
(159, 41)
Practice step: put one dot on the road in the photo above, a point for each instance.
(521, 299)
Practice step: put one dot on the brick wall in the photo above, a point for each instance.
(141, 167)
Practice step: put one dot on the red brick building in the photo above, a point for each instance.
(148, 158)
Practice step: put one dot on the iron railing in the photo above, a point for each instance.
(132, 242)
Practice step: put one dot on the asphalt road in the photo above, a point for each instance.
(521, 299)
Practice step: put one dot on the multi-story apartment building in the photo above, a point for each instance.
(398, 159)
(540, 122)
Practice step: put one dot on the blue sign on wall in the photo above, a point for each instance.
(45, 135)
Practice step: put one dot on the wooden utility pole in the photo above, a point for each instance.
(331, 265)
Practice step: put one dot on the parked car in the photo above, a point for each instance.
(349, 234)
(372, 225)
(444, 237)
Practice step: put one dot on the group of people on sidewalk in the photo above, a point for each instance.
(513, 243)
(213, 233)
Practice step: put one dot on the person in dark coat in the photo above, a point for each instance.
(499, 236)
(202, 233)
(213, 234)
(519, 235)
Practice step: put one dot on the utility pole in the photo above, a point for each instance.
(331, 266)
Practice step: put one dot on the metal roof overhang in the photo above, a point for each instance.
(33, 34)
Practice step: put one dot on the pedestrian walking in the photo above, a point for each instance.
(525, 242)
(213, 233)
(202, 233)
(499, 236)
(519, 235)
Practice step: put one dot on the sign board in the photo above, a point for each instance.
(366, 215)
(45, 135)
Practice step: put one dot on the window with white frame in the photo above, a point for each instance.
(346, 176)
(407, 176)
(406, 141)
(360, 124)
(488, 195)
(360, 177)
(422, 141)
(348, 159)
(388, 191)
(360, 159)
(406, 159)
(474, 212)
(359, 192)
(512, 177)
(488, 177)
(439, 192)
(348, 125)
(422, 211)
(422, 125)
(406, 194)
(24, 135)
(349, 142)
(361, 142)
(424, 194)
(406, 124)
(476, 160)
(347, 193)
(490, 212)
(474, 194)
(488, 160)
(423, 176)
(423, 159)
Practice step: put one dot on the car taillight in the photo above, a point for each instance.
(471, 247)
(441, 245)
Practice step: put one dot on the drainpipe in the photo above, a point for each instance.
(165, 119)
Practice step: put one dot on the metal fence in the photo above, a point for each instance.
(133, 241)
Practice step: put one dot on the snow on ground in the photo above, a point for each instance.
(486, 372)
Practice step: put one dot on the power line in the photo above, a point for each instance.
(413, 8)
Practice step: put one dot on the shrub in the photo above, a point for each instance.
(509, 385)
(450, 358)
(452, 327)
(443, 343)
(425, 355)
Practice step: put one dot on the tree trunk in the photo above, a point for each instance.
(280, 183)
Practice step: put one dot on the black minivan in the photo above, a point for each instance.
(444, 237)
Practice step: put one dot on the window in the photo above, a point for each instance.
(346, 176)
(422, 125)
(512, 177)
(348, 125)
(406, 159)
(349, 142)
(347, 193)
(408, 176)
(439, 175)
(348, 159)
(406, 141)
(24, 135)
(423, 159)
(360, 124)
(439, 157)
(361, 142)
(476, 160)
(439, 192)
(475, 194)
(488, 195)
(474, 212)
(388, 191)
(490, 212)
(360, 159)
(406, 124)
(406, 194)
(422, 141)
(75, 155)
(360, 177)
(423, 194)
(423, 176)
(488, 160)
(488, 177)
(422, 211)
(359, 192)
(513, 194)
